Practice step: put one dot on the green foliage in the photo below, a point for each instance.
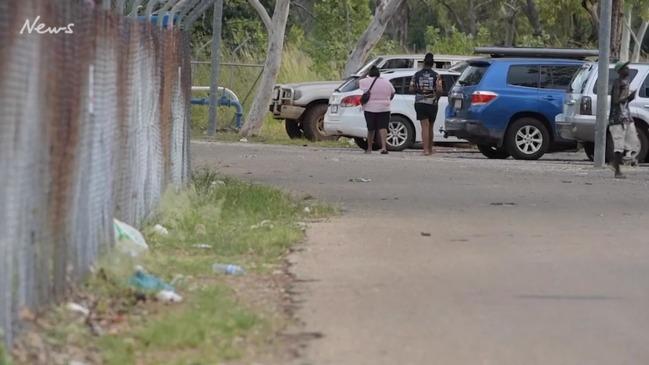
(4, 357)
(339, 25)
(242, 30)
(454, 42)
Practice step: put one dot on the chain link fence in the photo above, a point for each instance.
(94, 124)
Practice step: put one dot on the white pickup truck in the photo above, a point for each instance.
(302, 106)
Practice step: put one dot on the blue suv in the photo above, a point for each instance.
(507, 106)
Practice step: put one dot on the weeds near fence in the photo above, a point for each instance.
(216, 219)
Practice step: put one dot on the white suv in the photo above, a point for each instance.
(578, 119)
(345, 116)
(303, 105)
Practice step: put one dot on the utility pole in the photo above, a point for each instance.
(217, 20)
(602, 83)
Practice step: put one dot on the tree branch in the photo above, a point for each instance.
(305, 9)
(455, 15)
(484, 3)
(533, 16)
(263, 14)
(633, 35)
(592, 11)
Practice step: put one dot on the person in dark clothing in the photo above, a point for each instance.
(428, 88)
(620, 123)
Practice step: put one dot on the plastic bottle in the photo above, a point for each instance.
(228, 269)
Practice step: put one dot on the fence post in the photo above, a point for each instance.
(216, 59)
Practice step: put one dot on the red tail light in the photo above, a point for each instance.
(350, 101)
(586, 106)
(483, 97)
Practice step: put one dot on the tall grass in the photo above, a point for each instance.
(297, 66)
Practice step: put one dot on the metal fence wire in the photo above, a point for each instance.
(93, 125)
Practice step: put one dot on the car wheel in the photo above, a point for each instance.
(401, 134)
(362, 144)
(313, 123)
(527, 139)
(644, 142)
(293, 128)
(493, 152)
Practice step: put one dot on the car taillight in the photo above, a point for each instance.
(586, 106)
(483, 97)
(350, 101)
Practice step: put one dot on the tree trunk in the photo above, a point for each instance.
(259, 107)
(510, 9)
(626, 35)
(473, 19)
(637, 49)
(532, 13)
(383, 13)
(458, 19)
(397, 27)
(592, 7)
(617, 25)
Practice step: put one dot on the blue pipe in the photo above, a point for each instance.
(223, 101)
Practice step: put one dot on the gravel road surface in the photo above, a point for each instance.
(457, 259)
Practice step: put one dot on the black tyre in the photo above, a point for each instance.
(362, 144)
(527, 139)
(643, 154)
(401, 133)
(589, 150)
(313, 123)
(293, 128)
(493, 152)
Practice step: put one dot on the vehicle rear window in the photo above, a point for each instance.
(557, 77)
(398, 63)
(350, 84)
(449, 81)
(644, 89)
(473, 74)
(523, 75)
(579, 80)
(612, 75)
(401, 85)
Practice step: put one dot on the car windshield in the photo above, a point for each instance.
(350, 84)
(473, 74)
(578, 83)
(365, 69)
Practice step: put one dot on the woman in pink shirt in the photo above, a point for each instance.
(377, 109)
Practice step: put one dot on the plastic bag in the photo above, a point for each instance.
(128, 239)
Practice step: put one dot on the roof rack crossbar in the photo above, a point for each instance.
(571, 53)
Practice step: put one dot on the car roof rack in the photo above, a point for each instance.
(571, 53)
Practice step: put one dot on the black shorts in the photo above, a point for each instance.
(426, 111)
(377, 120)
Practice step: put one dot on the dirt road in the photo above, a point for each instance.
(461, 260)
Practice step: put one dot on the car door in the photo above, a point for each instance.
(572, 100)
(448, 80)
(553, 84)
(641, 104)
(404, 102)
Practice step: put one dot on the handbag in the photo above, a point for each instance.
(366, 95)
